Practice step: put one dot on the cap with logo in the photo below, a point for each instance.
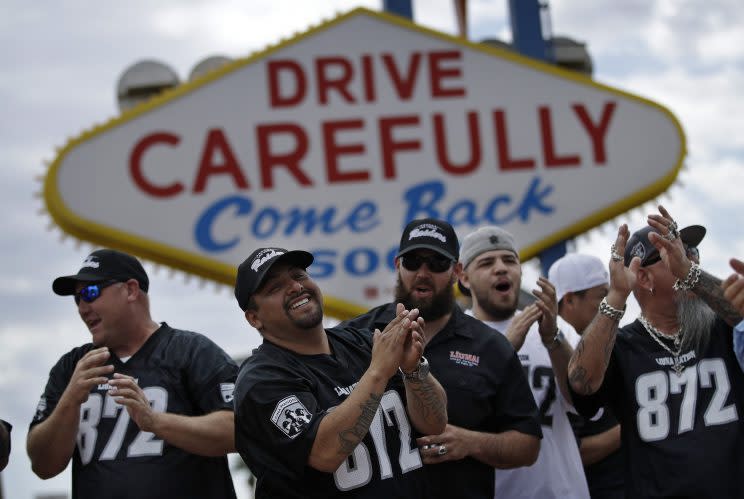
(479, 241)
(104, 265)
(252, 271)
(430, 233)
(639, 245)
(485, 239)
(577, 272)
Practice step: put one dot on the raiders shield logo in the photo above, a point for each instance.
(227, 389)
(290, 416)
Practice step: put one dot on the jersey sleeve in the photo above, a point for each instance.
(59, 377)
(211, 376)
(518, 409)
(276, 424)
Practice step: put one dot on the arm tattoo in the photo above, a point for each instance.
(709, 290)
(579, 381)
(428, 401)
(351, 437)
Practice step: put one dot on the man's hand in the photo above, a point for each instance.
(521, 324)
(548, 305)
(89, 372)
(622, 278)
(672, 252)
(450, 445)
(733, 286)
(389, 346)
(128, 393)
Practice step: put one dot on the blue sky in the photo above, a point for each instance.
(61, 61)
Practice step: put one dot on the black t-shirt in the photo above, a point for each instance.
(181, 372)
(486, 388)
(682, 434)
(5, 443)
(282, 396)
(606, 478)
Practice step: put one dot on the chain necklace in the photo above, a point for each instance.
(657, 335)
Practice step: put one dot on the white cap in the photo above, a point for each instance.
(577, 272)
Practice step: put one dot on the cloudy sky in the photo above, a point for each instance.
(61, 61)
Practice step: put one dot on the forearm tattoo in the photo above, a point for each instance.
(709, 290)
(578, 376)
(428, 400)
(351, 437)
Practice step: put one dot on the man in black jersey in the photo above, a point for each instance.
(493, 419)
(144, 410)
(670, 377)
(324, 412)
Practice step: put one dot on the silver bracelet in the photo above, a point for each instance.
(613, 313)
(690, 280)
(555, 342)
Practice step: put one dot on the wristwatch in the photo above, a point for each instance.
(418, 374)
(555, 342)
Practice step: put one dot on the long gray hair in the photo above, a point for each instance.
(696, 319)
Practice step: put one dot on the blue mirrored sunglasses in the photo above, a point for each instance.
(91, 292)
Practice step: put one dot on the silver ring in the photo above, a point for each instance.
(614, 254)
(671, 236)
(673, 232)
(442, 450)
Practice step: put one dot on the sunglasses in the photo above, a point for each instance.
(693, 253)
(435, 263)
(91, 292)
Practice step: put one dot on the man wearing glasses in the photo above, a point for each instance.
(492, 416)
(143, 410)
(670, 377)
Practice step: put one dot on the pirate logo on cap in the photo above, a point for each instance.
(638, 250)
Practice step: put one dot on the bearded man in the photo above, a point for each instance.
(493, 419)
(671, 376)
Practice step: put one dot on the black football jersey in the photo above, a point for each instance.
(180, 372)
(486, 388)
(282, 396)
(682, 433)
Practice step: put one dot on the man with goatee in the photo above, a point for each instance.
(671, 376)
(493, 419)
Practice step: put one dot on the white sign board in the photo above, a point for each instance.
(334, 140)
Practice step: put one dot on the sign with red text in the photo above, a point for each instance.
(332, 141)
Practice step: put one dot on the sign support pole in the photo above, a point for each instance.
(528, 40)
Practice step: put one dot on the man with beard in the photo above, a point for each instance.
(492, 275)
(492, 416)
(319, 412)
(671, 376)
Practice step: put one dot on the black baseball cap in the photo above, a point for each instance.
(430, 233)
(104, 265)
(252, 271)
(639, 245)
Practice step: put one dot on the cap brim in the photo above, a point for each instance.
(436, 249)
(65, 285)
(692, 235)
(296, 257)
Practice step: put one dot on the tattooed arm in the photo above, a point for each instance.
(710, 291)
(346, 425)
(427, 405)
(590, 359)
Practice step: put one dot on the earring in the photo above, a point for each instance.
(651, 291)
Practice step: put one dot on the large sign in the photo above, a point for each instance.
(332, 141)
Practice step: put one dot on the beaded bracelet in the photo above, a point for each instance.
(613, 313)
(690, 280)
